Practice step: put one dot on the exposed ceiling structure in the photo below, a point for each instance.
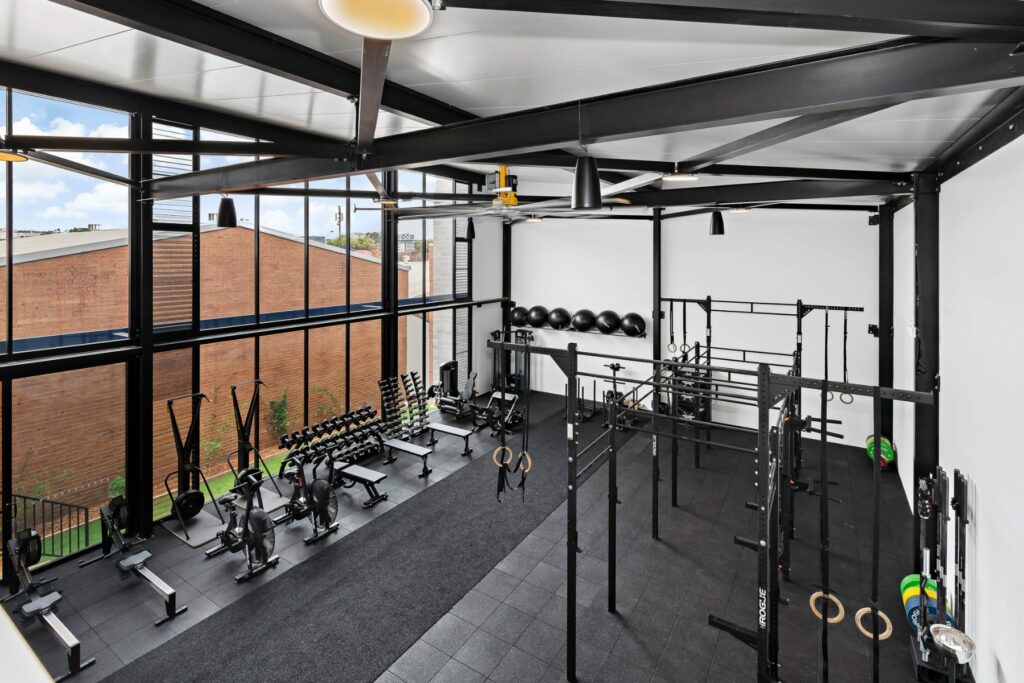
(744, 95)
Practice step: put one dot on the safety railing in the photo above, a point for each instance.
(63, 527)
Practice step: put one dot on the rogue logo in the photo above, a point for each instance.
(762, 608)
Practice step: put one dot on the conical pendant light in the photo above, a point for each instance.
(717, 224)
(226, 216)
(586, 185)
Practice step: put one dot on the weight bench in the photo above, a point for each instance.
(368, 478)
(454, 431)
(412, 449)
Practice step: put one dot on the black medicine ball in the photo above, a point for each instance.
(518, 316)
(538, 316)
(559, 318)
(633, 325)
(608, 322)
(583, 321)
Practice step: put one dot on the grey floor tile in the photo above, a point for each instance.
(482, 652)
(419, 664)
(529, 599)
(507, 623)
(541, 640)
(618, 670)
(457, 672)
(518, 564)
(518, 667)
(449, 633)
(475, 607)
(546, 576)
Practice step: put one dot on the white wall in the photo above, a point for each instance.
(981, 281)
(599, 264)
(486, 285)
(781, 256)
(904, 345)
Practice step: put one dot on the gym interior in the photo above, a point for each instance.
(415, 341)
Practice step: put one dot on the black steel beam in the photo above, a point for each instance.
(755, 193)
(926, 377)
(75, 167)
(899, 71)
(864, 208)
(200, 147)
(998, 127)
(983, 20)
(773, 135)
(197, 26)
(373, 78)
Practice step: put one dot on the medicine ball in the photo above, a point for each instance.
(538, 316)
(633, 325)
(608, 322)
(583, 321)
(559, 318)
(518, 316)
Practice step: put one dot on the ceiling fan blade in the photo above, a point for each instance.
(377, 184)
(641, 180)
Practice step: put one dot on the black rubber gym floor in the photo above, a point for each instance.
(511, 626)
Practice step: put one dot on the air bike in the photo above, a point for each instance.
(252, 532)
(133, 559)
(315, 500)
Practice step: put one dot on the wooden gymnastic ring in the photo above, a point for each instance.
(868, 634)
(529, 461)
(842, 397)
(672, 347)
(814, 607)
(831, 396)
(494, 456)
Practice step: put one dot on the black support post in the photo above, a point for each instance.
(389, 283)
(139, 375)
(572, 535)
(926, 417)
(656, 355)
(885, 306)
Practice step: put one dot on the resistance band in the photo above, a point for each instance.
(844, 397)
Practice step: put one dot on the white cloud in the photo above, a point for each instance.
(109, 130)
(36, 190)
(103, 198)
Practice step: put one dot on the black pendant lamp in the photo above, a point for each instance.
(717, 224)
(226, 216)
(470, 230)
(586, 185)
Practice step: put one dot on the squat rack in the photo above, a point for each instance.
(770, 452)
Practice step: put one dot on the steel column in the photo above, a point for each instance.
(885, 310)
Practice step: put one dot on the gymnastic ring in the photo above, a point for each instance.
(529, 462)
(831, 396)
(814, 607)
(494, 456)
(843, 397)
(672, 347)
(867, 634)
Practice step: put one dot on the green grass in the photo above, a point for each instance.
(75, 539)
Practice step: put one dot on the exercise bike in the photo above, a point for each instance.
(315, 500)
(253, 534)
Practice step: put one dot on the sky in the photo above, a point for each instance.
(48, 198)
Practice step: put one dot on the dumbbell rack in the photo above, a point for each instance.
(349, 437)
(393, 406)
(416, 398)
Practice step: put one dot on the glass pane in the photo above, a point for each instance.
(366, 267)
(59, 483)
(282, 408)
(227, 291)
(326, 372)
(38, 115)
(411, 272)
(71, 258)
(178, 211)
(439, 344)
(440, 260)
(410, 344)
(172, 376)
(211, 161)
(364, 365)
(327, 257)
(220, 366)
(282, 257)
(172, 279)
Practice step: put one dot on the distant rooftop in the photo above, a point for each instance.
(37, 247)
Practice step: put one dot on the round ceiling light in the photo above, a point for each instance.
(10, 155)
(380, 19)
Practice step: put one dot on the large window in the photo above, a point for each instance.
(328, 250)
(222, 365)
(364, 364)
(328, 384)
(282, 257)
(282, 408)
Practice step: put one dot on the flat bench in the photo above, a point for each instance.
(368, 478)
(412, 449)
(454, 431)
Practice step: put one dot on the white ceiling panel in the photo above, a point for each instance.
(29, 28)
(678, 146)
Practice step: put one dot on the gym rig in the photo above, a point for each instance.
(774, 446)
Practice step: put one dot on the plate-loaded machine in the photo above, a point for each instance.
(133, 558)
(26, 550)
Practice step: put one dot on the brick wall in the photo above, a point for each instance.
(69, 427)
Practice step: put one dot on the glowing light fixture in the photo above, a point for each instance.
(740, 209)
(11, 155)
(677, 176)
(380, 19)
(226, 216)
(534, 219)
(385, 201)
